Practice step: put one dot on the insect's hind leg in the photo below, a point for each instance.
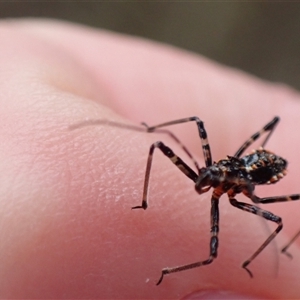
(268, 127)
(201, 131)
(214, 243)
(276, 199)
(176, 160)
(264, 214)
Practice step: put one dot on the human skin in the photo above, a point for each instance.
(66, 225)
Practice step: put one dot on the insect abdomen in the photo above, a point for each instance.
(264, 167)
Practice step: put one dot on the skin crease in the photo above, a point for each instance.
(66, 227)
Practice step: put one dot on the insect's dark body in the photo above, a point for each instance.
(232, 175)
(259, 167)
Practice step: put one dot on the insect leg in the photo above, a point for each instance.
(262, 213)
(275, 199)
(202, 134)
(176, 139)
(269, 127)
(214, 243)
(181, 165)
(284, 249)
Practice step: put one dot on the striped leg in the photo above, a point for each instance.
(214, 243)
(202, 134)
(176, 139)
(269, 127)
(181, 165)
(266, 215)
(275, 199)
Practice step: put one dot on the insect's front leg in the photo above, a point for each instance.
(201, 131)
(176, 160)
(176, 139)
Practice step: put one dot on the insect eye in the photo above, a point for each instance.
(204, 182)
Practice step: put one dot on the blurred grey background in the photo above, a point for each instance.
(261, 38)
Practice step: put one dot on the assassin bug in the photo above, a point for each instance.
(232, 175)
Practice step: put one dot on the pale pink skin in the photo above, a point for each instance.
(66, 225)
